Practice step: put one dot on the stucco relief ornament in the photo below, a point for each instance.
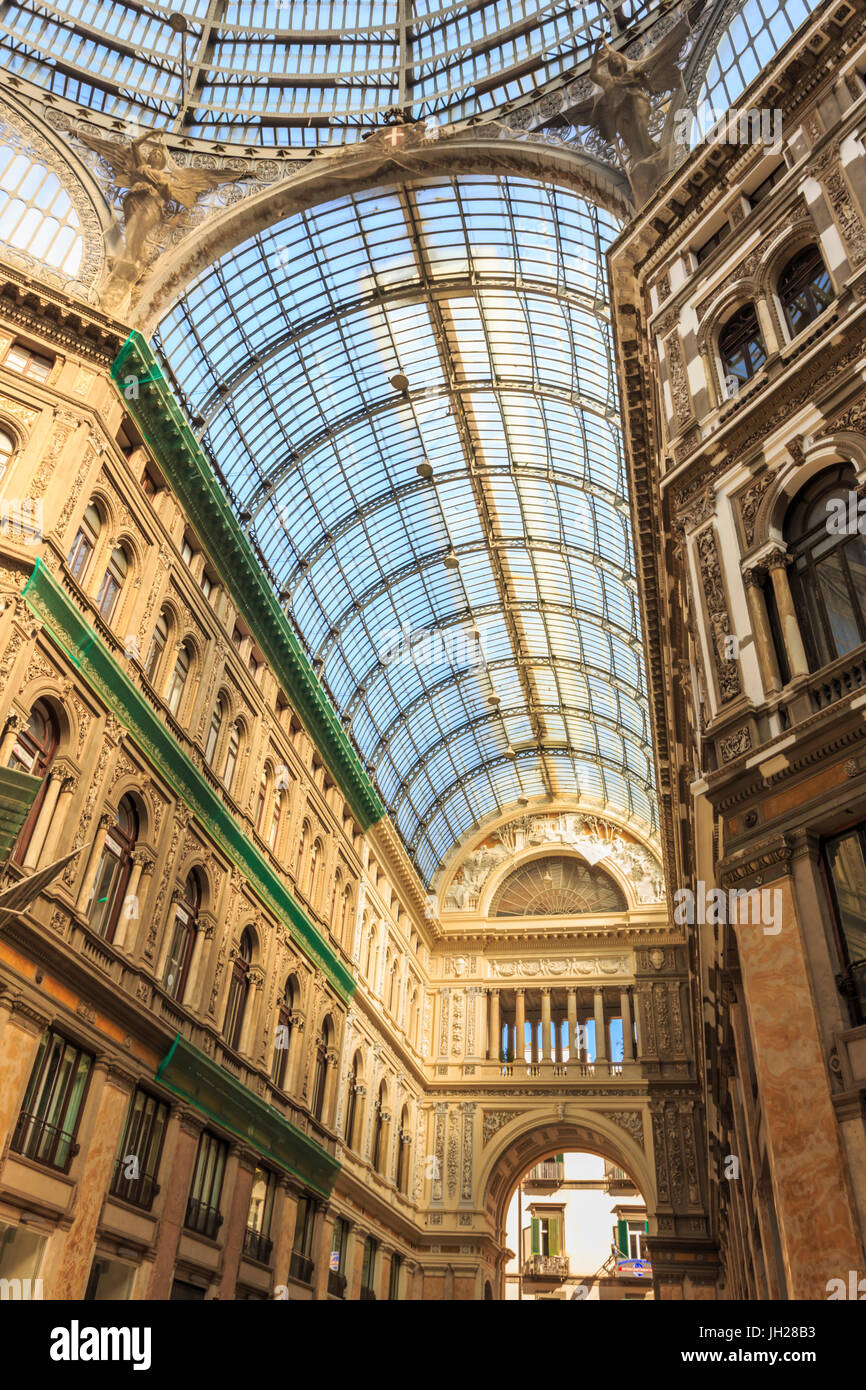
(152, 188)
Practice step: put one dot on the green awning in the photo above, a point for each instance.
(17, 794)
(189, 1073)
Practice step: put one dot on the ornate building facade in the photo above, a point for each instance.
(317, 930)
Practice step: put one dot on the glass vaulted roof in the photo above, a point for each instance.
(296, 72)
(459, 327)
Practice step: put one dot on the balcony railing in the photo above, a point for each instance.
(336, 1284)
(837, 680)
(367, 1295)
(139, 1191)
(546, 1267)
(852, 985)
(574, 1071)
(37, 1139)
(301, 1268)
(257, 1246)
(545, 1175)
(202, 1219)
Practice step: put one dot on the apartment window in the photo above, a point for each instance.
(239, 984)
(231, 756)
(636, 1240)
(112, 583)
(52, 1106)
(32, 364)
(368, 1269)
(179, 677)
(207, 584)
(706, 250)
(845, 857)
(137, 1163)
(216, 723)
(257, 1237)
(320, 1075)
(276, 816)
(828, 575)
(283, 1039)
(21, 1251)
(7, 449)
(394, 1278)
(337, 1269)
(352, 1101)
(546, 1234)
(84, 544)
(182, 939)
(110, 1280)
(34, 752)
(741, 346)
(202, 1208)
(805, 289)
(186, 552)
(150, 485)
(404, 1139)
(157, 646)
(301, 1263)
(115, 866)
(763, 188)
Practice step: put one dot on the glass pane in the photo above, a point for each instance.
(845, 857)
(833, 588)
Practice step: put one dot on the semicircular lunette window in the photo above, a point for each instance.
(554, 886)
(36, 213)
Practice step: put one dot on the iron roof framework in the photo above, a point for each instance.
(299, 72)
(460, 325)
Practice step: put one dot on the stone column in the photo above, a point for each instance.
(520, 1025)
(573, 1040)
(323, 1240)
(68, 784)
(178, 1159)
(239, 1184)
(627, 1031)
(69, 1255)
(601, 1049)
(494, 1038)
(140, 857)
(14, 724)
(285, 1218)
(96, 849)
(20, 1031)
(43, 820)
(777, 564)
(545, 1024)
(766, 651)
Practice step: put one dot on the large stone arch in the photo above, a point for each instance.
(492, 149)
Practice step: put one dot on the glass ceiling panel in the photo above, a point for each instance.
(461, 417)
(296, 74)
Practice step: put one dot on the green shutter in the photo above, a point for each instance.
(553, 1229)
(622, 1238)
(536, 1236)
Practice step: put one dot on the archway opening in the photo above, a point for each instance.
(576, 1228)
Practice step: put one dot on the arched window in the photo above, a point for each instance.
(283, 1040)
(115, 866)
(320, 1074)
(112, 583)
(413, 1018)
(157, 646)
(213, 733)
(179, 677)
(232, 756)
(346, 918)
(403, 1142)
(352, 1091)
(7, 449)
(805, 289)
(392, 984)
(314, 872)
(276, 817)
(34, 752)
(302, 847)
(372, 956)
(741, 346)
(262, 801)
(183, 939)
(84, 544)
(239, 986)
(828, 576)
(378, 1148)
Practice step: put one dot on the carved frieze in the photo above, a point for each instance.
(727, 671)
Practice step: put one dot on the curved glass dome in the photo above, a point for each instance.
(410, 396)
(296, 72)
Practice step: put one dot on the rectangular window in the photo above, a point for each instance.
(337, 1267)
(257, 1242)
(110, 1280)
(202, 1208)
(368, 1269)
(763, 188)
(32, 364)
(845, 856)
(206, 585)
(21, 1253)
(301, 1264)
(394, 1280)
(636, 1240)
(52, 1105)
(186, 553)
(709, 246)
(140, 1150)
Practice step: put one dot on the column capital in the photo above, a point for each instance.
(777, 559)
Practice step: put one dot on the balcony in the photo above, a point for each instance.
(202, 1219)
(301, 1268)
(545, 1177)
(616, 1180)
(367, 1295)
(336, 1284)
(35, 1138)
(548, 1268)
(257, 1246)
